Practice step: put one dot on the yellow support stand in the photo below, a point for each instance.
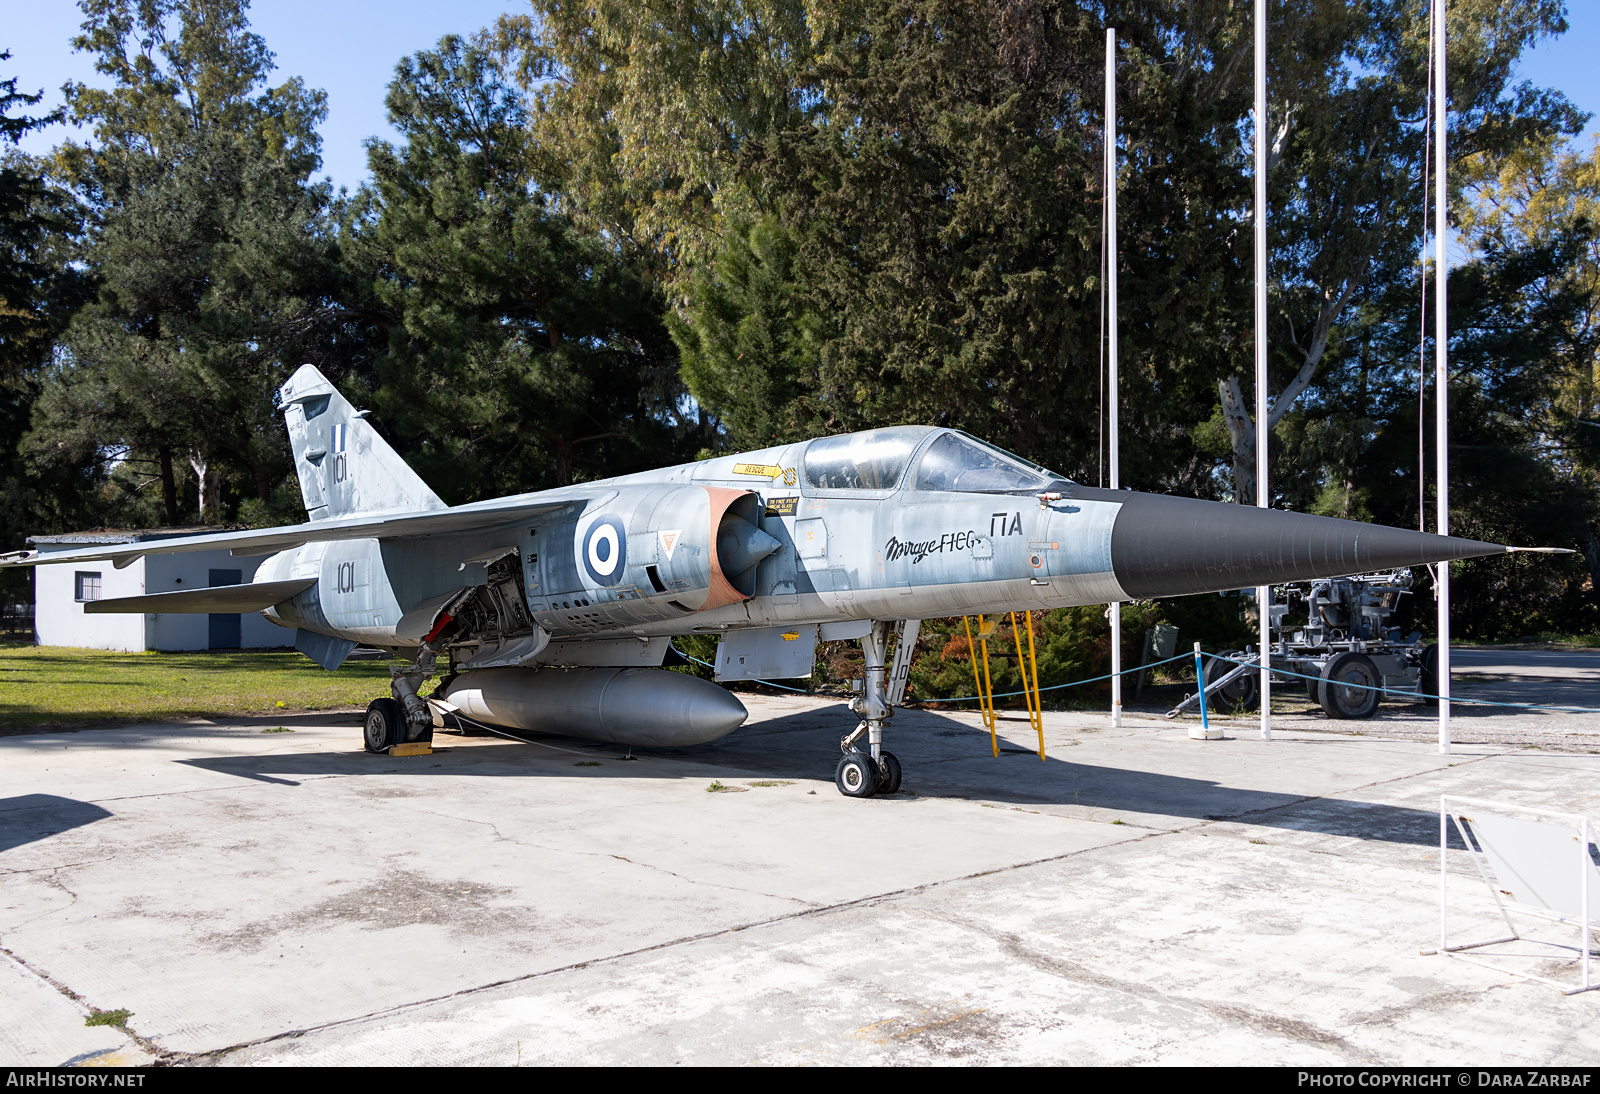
(985, 691)
(1029, 668)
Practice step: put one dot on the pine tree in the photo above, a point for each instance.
(206, 245)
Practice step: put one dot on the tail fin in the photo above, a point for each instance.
(345, 468)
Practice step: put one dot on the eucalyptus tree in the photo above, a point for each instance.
(1347, 112)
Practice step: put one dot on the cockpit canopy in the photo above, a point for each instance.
(873, 460)
(877, 460)
(961, 463)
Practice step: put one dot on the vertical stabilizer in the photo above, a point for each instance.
(345, 468)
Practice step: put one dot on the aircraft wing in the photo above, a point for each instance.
(221, 598)
(266, 541)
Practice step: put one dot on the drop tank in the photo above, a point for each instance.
(627, 706)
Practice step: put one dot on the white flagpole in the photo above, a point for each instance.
(1111, 340)
(1441, 363)
(1264, 592)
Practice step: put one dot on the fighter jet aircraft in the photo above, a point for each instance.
(553, 611)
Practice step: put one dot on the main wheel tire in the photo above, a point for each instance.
(856, 776)
(385, 725)
(1241, 693)
(1430, 674)
(891, 773)
(1350, 686)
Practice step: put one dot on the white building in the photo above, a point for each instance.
(60, 591)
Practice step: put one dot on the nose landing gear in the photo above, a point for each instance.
(863, 772)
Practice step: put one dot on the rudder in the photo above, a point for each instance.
(345, 467)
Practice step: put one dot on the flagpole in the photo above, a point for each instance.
(1111, 340)
(1263, 592)
(1441, 365)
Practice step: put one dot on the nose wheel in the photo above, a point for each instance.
(890, 769)
(856, 776)
(859, 776)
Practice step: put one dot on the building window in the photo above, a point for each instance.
(88, 586)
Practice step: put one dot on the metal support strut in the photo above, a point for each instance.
(872, 704)
(406, 680)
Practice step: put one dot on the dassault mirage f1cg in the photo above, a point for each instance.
(553, 611)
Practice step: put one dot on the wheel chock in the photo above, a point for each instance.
(412, 748)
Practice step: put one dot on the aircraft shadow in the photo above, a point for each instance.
(943, 758)
(30, 817)
(95, 722)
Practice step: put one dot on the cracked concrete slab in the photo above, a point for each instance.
(41, 1026)
(1136, 898)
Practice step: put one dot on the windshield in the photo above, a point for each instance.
(873, 460)
(958, 462)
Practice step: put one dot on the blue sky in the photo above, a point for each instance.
(349, 49)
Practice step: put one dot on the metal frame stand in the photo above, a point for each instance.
(1585, 867)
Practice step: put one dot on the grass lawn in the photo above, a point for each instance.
(57, 685)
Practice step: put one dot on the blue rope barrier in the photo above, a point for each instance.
(964, 698)
(1058, 687)
(1181, 657)
(1418, 694)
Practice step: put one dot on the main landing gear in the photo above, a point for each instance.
(869, 770)
(405, 717)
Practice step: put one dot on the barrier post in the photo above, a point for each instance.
(1204, 731)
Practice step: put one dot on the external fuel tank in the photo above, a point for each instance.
(627, 706)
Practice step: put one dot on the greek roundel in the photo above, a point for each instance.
(604, 551)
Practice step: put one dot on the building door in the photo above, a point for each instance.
(224, 629)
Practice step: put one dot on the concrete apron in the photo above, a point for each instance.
(1139, 898)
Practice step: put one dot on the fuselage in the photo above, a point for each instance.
(865, 526)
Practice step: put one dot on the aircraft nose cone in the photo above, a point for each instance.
(740, 544)
(1165, 546)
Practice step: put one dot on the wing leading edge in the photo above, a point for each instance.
(264, 541)
(222, 598)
